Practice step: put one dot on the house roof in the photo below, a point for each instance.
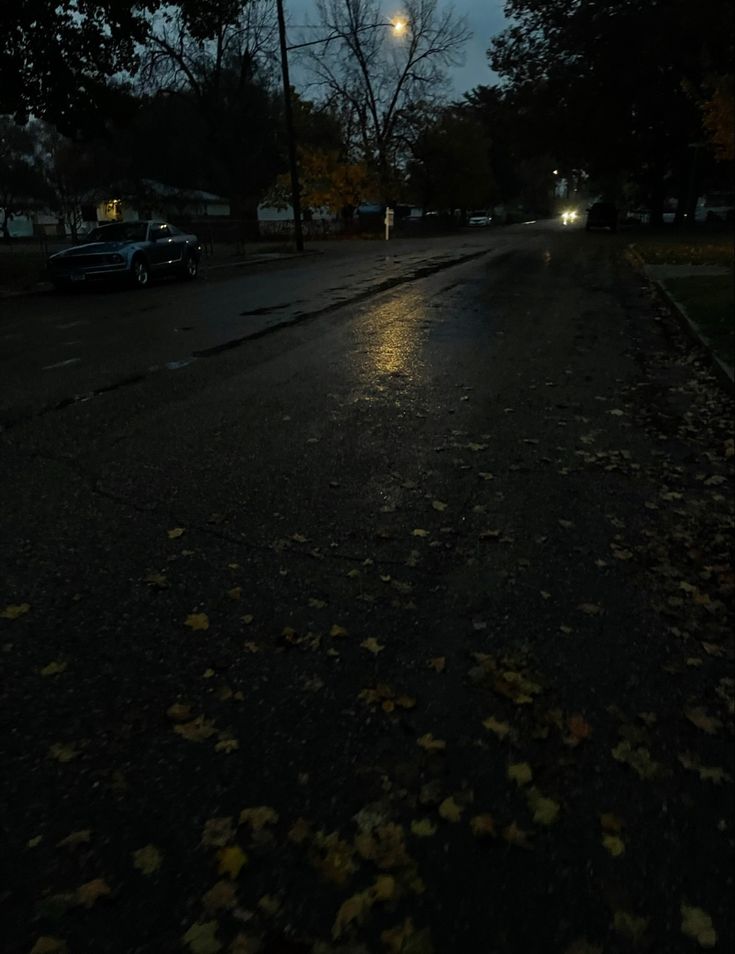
(168, 191)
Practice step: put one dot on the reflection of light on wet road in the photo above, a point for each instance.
(395, 335)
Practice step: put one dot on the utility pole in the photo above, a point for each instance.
(295, 187)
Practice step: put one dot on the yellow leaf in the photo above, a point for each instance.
(372, 646)
(218, 832)
(639, 759)
(197, 730)
(61, 752)
(405, 939)
(197, 621)
(14, 610)
(353, 909)
(384, 846)
(235, 592)
(629, 925)
(49, 945)
(430, 744)
(439, 505)
(698, 717)
(227, 746)
(231, 860)
(92, 891)
(336, 864)
(449, 810)
(583, 946)
(438, 663)
(220, 897)
(697, 924)
(258, 817)
(75, 839)
(269, 905)
(384, 888)
(419, 533)
(53, 669)
(579, 729)
(520, 773)
(247, 619)
(34, 842)
(501, 729)
(201, 938)
(337, 630)
(590, 609)
(423, 828)
(483, 825)
(516, 836)
(147, 860)
(176, 533)
(156, 580)
(545, 810)
(614, 844)
(178, 712)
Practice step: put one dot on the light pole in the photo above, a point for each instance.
(399, 26)
(288, 110)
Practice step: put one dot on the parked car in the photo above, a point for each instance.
(602, 215)
(479, 219)
(132, 251)
(715, 207)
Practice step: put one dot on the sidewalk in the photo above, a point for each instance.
(694, 277)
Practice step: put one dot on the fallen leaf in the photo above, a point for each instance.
(449, 810)
(501, 729)
(91, 891)
(197, 730)
(178, 712)
(423, 828)
(629, 925)
(639, 759)
(231, 860)
(62, 752)
(579, 729)
(405, 939)
(201, 938)
(197, 621)
(14, 610)
(337, 631)
(430, 744)
(353, 909)
(520, 773)
(269, 905)
(299, 831)
(438, 663)
(218, 832)
(53, 669)
(439, 505)
(235, 593)
(335, 862)
(156, 581)
(614, 844)
(34, 842)
(483, 825)
(49, 945)
(707, 773)
(697, 924)
(611, 823)
(545, 810)
(227, 746)
(384, 846)
(75, 839)
(590, 609)
(176, 533)
(258, 817)
(583, 946)
(419, 533)
(220, 897)
(372, 645)
(147, 860)
(516, 836)
(698, 717)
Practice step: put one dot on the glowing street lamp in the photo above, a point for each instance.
(399, 26)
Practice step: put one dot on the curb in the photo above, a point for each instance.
(723, 371)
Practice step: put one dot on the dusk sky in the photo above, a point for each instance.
(484, 18)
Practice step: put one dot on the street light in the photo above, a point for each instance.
(399, 26)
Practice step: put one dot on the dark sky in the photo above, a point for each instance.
(484, 18)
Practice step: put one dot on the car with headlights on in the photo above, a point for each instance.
(602, 215)
(134, 252)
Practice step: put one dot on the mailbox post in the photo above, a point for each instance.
(389, 219)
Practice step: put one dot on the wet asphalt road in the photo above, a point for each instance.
(402, 629)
